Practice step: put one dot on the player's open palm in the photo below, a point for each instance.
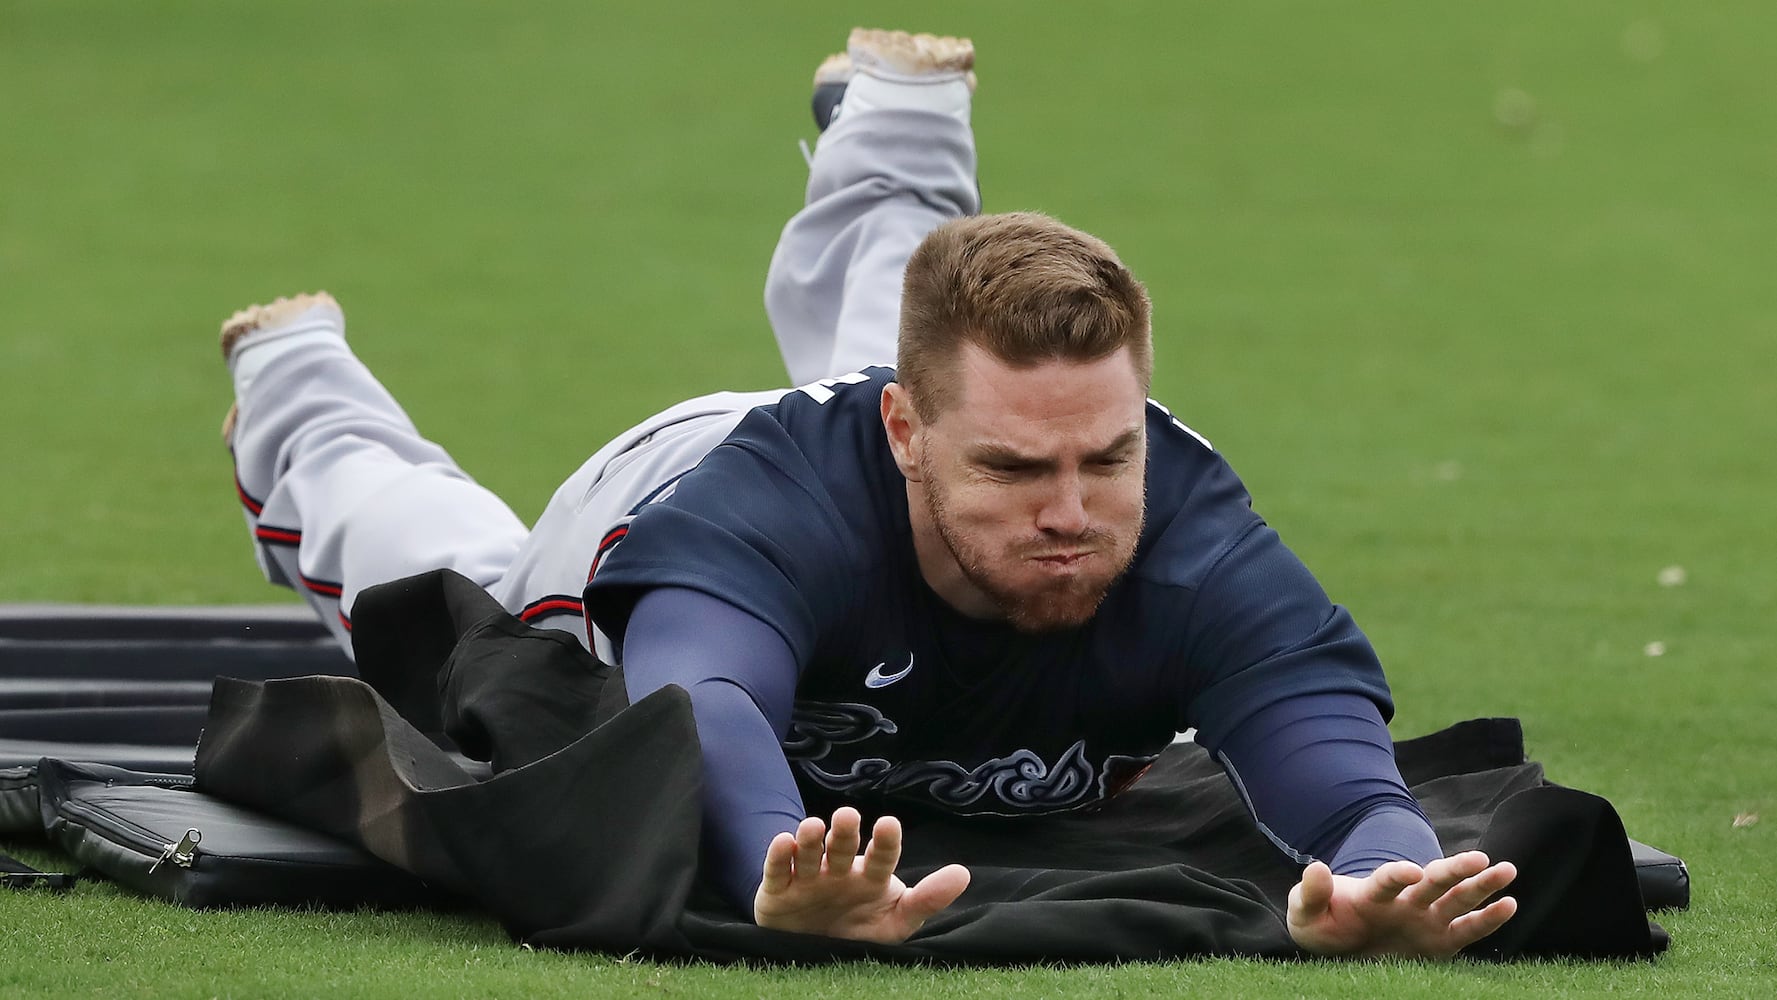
(816, 882)
(1400, 908)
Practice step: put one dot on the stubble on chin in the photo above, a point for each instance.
(1065, 603)
(1055, 609)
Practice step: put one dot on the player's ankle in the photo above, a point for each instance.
(870, 92)
(255, 337)
(895, 70)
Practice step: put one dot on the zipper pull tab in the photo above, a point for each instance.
(182, 854)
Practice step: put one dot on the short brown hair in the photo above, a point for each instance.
(1025, 288)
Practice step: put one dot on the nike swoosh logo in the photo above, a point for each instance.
(877, 679)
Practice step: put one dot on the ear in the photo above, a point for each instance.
(900, 421)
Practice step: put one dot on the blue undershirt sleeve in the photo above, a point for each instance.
(741, 676)
(1319, 775)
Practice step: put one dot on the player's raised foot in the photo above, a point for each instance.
(282, 316)
(895, 69)
(908, 58)
(287, 320)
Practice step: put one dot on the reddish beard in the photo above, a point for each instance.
(1058, 603)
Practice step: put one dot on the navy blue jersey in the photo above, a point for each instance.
(800, 518)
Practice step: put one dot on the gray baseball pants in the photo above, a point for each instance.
(341, 492)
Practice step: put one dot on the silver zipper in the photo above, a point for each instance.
(182, 854)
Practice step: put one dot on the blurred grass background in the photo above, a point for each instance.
(1476, 297)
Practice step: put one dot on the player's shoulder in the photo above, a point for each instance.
(1184, 468)
(1174, 432)
(830, 430)
(821, 447)
(1197, 505)
(842, 404)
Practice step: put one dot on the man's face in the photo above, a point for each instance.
(1028, 486)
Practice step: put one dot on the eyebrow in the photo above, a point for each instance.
(1005, 455)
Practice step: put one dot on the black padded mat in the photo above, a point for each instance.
(129, 686)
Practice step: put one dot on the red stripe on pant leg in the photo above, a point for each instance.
(253, 506)
(277, 536)
(323, 588)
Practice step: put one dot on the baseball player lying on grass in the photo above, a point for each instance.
(994, 580)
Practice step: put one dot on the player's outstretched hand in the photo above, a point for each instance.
(816, 882)
(1400, 908)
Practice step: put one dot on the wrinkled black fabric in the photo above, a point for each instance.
(587, 835)
(403, 631)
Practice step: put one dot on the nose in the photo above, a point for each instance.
(1063, 510)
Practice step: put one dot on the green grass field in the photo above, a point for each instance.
(1475, 297)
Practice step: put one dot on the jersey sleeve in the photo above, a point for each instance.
(1260, 630)
(1250, 624)
(1282, 686)
(751, 526)
(1318, 774)
(742, 683)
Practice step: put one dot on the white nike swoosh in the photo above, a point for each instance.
(877, 679)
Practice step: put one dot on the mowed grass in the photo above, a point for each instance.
(1476, 297)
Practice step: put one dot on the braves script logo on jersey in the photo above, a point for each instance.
(1017, 783)
(1020, 779)
(877, 679)
(815, 726)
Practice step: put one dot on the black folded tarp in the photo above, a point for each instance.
(587, 835)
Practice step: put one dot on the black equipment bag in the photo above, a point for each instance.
(152, 833)
(18, 801)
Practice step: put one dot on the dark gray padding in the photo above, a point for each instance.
(123, 621)
(19, 814)
(162, 759)
(1665, 881)
(107, 723)
(130, 685)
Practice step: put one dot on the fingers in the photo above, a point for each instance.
(1401, 908)
(1443, 875)
(1463, 883)
(1475, 890)
(884, 852)
(934, 893)
(1313, 895)
(811, 844)
(815, 850)
(1391, 880)
(1460, 882)
(1471, 927)
(779, 860)
(843, 838)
